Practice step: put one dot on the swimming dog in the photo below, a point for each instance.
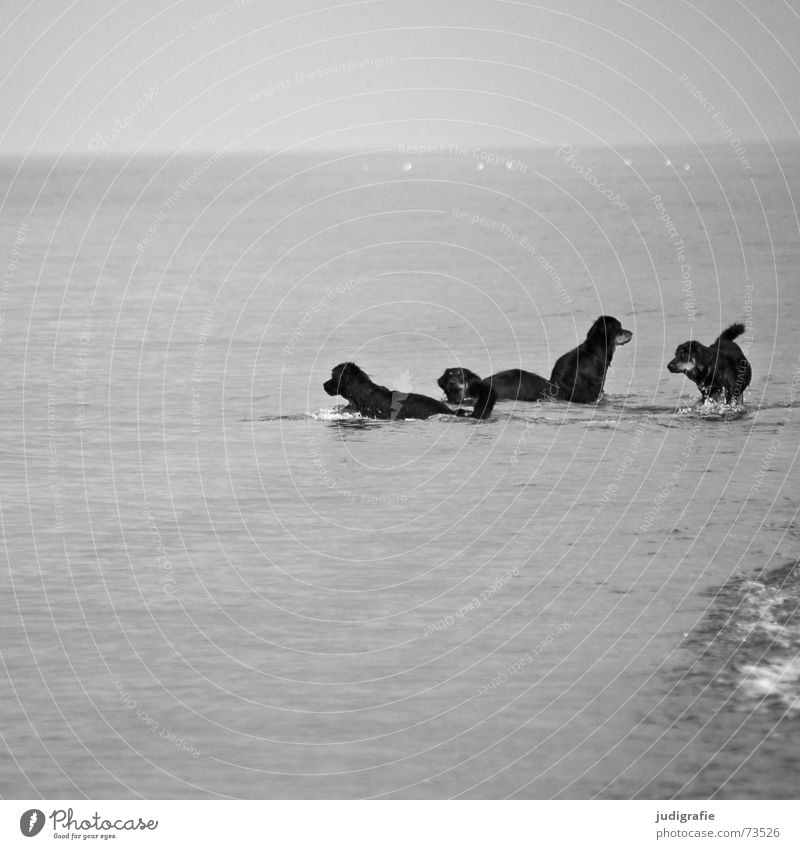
(460, 385)
(377, 402)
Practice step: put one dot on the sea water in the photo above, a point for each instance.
(216, 585)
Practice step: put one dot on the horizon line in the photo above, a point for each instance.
(422, 149)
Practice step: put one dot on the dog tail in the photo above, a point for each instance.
(487, 398)
(731, 333)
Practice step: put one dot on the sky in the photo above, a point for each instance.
(199, 75)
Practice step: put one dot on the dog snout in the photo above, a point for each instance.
(331, 387)
(624, 336)
(456, 393)
(672, 365)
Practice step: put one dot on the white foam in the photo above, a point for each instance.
(713, 409)
(334, 414)
(718, 407)
(760, 615)
(777, 678)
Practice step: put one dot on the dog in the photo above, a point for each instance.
(460, 385)
(579, 375)
(721, 371)
(377, 402)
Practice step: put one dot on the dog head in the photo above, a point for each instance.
(346, 380)
(458, 384)
(608, 331)
(691, 359)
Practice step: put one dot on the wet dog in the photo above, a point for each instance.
(720, 370)
(460, 385)
(579, 375)
(377, 402)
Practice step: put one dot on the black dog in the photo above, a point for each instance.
(721, 370)
(378, 402)
(577, 376)
(460, 385)
(580, 374)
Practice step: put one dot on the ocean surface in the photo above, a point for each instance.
(216, 585)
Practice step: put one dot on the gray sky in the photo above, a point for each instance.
(147, 75)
